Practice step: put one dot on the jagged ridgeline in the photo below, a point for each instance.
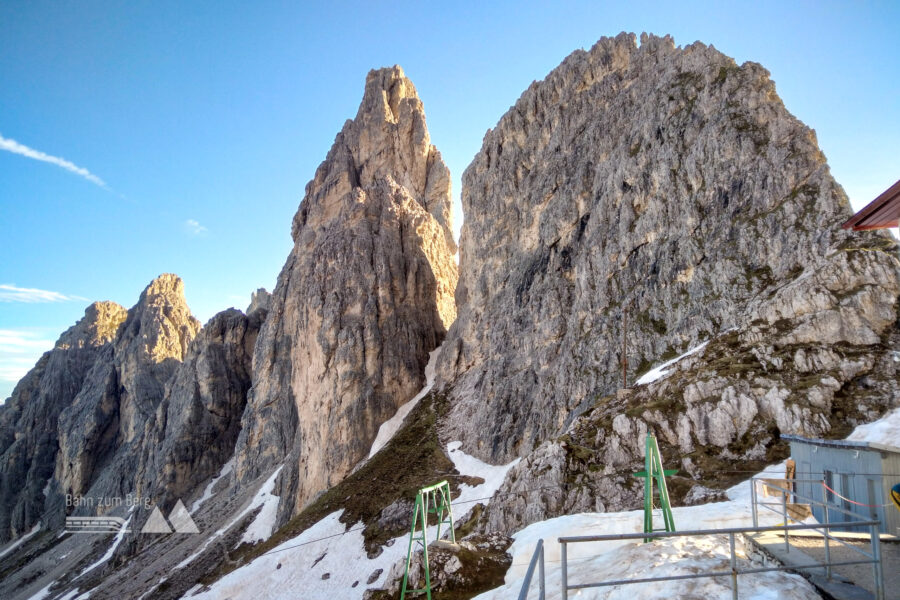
(666, 183)
(672, 184)
(144, 402)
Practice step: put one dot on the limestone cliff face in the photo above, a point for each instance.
(28, 419)
(101, 431)
(815, 358)
(365, 294)
(197, 424)
(666, 182)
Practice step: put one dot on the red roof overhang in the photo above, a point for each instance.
(881, 213)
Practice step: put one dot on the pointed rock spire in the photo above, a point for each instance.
(366, 294)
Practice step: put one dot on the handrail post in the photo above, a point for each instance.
(827, 533)
(753, 501)
(536, 558)
(877, 570)
(787, 542)
(565, 575)
(541, 567)
(734, 582)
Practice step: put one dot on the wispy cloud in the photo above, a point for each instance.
(11, 293)
(20, 349)
(14, 369)
(195, 227)
(20, 341)
(16, 148)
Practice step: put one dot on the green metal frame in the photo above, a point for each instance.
(653, 470)
(430, 500)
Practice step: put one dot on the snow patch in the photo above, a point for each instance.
(392, 425)
(42, 593)
(885, 430)
(668, 557)
(21, 540)
(264, 523)
(331, 550)
(661, 371)
(112, 549)
(207, 493)
(326, 561)
(466, 464)
(617, 559)
(265, 491)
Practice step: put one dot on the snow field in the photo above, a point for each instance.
(392, 425)
(885, 430)
(326, 560)
(261, 497)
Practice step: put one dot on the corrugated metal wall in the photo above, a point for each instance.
(854, 474)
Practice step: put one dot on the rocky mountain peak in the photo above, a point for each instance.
(259, 299)
(98, 326)
(151, 342)
(649, 192)
(388, 141)
(365, 295)
(105, 423)
(28, 419)
(385, 89)
(160, 326)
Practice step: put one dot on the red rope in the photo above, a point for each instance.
(825, 485)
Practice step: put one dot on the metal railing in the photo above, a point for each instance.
(874, 535)
(730, 532)
(873, 558)
(536, 559)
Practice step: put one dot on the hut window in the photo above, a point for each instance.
(829, 481)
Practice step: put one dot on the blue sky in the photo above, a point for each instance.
(191, 128)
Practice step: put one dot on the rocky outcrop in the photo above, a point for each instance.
(816, 357)
(28, 419)
(364, 296)
(668, 183)
(259, 300)
(197, 424)
(476, 564)
(102, 430)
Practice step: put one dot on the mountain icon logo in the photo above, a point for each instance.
(180, 519)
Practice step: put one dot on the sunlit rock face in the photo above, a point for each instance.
(366, 293)
(667, 183)
(101, 432)
(28, 419)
